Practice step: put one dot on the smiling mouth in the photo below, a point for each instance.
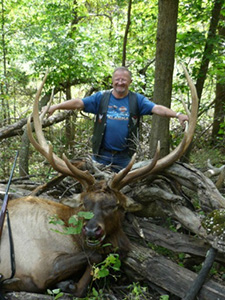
(120, 89)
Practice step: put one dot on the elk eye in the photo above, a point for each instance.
(110, 207)
(87, 205)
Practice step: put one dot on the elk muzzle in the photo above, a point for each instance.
(94, 233)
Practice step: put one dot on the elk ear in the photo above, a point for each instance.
(132, 206)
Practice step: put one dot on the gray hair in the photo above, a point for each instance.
(123, 69)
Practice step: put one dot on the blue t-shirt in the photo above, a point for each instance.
(117, 119)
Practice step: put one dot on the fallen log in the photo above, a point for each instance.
(137, 228)
(145, 264)
(17, 128)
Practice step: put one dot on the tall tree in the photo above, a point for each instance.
(165, 52)
(4, 84)
(219, 110)
(209, 46)
(126, 33)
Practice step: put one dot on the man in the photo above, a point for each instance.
(117, 119)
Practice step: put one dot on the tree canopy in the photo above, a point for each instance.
(81, 42)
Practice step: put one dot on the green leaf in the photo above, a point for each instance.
(86, 214)
(56, 221)
(73, 220)
(94, 291)
(103, 272)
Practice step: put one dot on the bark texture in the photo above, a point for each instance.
(165, 51)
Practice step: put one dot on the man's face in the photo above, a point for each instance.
(121, 81)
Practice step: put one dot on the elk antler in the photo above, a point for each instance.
(62, 166)
(124, 176)
(156, 165)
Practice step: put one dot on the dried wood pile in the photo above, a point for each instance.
(166, 190)
(183, 196)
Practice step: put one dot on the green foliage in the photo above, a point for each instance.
(137, 292)
(76, 222)
(218, 271)
(95, 294)
(179, 258)
(65, 36)
(221, 134)
(204, 152)
(102, 270)
(164, 297)
(56, 293)
(81, 43)
(214, 223)
(162, 251)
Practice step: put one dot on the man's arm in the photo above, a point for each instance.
(72, 104)
(164, 111)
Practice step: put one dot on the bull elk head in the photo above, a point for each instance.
(125, 176)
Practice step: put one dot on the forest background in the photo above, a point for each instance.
(81, 42)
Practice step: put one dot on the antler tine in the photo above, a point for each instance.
(45, 149)
(188, 134)
(32, 139)
(194, 109)
(119, 176)
(118, 183)
(46, 153)
(48, 106)
(36, 119)
(42, 146)
(86, 178)
(169, 159)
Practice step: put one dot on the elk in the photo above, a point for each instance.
(44, 257)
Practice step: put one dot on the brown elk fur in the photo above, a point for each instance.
(44, 257)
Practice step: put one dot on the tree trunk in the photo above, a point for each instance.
(24, 155)
(209, 46)
(165, 48)
(69, 128)
(219, 111)
(126, 33)
(4, 84)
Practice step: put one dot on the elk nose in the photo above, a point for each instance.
(93, 231)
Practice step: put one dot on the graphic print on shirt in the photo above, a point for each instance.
(117, 113)
(117, 120)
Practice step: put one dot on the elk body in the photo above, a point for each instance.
(44, 257)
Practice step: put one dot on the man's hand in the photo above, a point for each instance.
(48, 110)
(182, 119)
